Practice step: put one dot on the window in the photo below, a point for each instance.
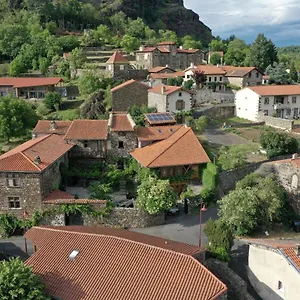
(188, 76)
(209, 79)
(267, 101)
(294, 99)
(295, 114)
(121, 145)
(221, 78)
(180, 94)
(85, 144)
(13, 180)
(215, 79)
(249, 75)
(109, 67)
(280, 286)
(14, 202)
(266, 112)
(180, 105)
(257, 74)
(121, 67)
(121, 133)
(288, 111)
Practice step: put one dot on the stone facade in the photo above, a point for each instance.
(121, 143)
(127, 95)
(116, 70)
(277, 122)
(89, 149)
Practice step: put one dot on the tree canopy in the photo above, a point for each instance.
(278, 74)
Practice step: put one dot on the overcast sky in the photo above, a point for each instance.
(278, 19)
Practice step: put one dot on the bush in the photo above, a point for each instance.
(276, 143)
(209, 176)
(207, 195)
(42, 110)
(52, 101)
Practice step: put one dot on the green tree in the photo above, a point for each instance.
(17, 66)
(155, 195)
(138, 113)
(215, 59)
(88, 83)
(150, 36)
(100, 191)
(129, 43)
(278, 74)
(236, 53)
(293, 72)
(52, 100)
(76, 59)
(18, 282)
(68, 42)
(102, 34)
(17, 117)
(216, 45)
(168, 35)
(229, 160)
(118, 22)
(277, 143)
(136, 28)
(188, 84)
(188, 42)
(262, 52)
(198, 125)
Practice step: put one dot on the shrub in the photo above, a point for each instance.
(52, 100)
(207, 195)
(209, 176)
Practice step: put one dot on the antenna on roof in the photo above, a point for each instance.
(37, 160)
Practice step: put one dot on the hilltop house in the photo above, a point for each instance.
(28, 87)
(282, 101)
(30, 172)
(167, 53)
(129, 93)
(172, 99)
(138, 266)
(179, 153)
(117, 64)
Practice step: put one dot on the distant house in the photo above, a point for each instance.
(122, 136)
(172, 99)
(282, 101)
(160, 70)
(176, 155)
(28, 87)
(167, 53)
(274, 268)
(162, 78)
(30, 172)
(45, 127)
(134, 266)
(117, 64)
(129, 93)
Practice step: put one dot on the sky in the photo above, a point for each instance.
(277, 19)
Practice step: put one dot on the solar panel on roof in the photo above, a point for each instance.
(159, 117)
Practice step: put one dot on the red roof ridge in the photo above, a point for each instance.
(26, 157)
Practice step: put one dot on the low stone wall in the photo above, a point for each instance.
(277, 122)
(205, 95)
(245, 125)
(237, 287)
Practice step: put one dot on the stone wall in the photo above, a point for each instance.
(217, 112)
(237, 287)
(159, 101)
(129, 140)
(136, 74)
(277, 122)
(134, 93)
(88, 149)
(206, 95)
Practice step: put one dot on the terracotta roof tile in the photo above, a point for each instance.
(208, 70)
(168, 89)
(275, 90)
(156, 133)
(57, 194)
(167, 75)
(159, 69)
(181, 148)
(131, 268)
(129, 82)
(117, 57)
(121, 122)
(166, 43)
(188, 51)
(21, 159)
(163, 50)
(291, 254)
(238, 71)
(147, 49)
(70, 200)
(44, 127)
(18, 82)
(87, 130)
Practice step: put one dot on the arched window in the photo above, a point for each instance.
(294, 184)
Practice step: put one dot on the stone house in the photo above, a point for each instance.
(90, 138)
(176, 155)
(160, 70)
(152, 269)
(274, 269)
(30, 172)
(45, 127)
(159, 119)
(129, 93)
(282, 101)
(167, 53)
(162, 78)
(122, 136)
(174, 99)
(117, 64)
(28, 87)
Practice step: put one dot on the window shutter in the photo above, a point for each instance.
(183, 105)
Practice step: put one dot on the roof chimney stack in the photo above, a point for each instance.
(167, 66)
(53, 125)
(142, 48)
(37, 160)
(295, 156)
(297, 250)
(192, 65)
(163, 89)
(181, 47)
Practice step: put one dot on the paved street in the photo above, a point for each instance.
(16, 246)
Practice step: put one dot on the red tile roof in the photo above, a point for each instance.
(275, 90)
(163, 50)
(44, 127)
(159, 69)
(21, 159)
(238, 71)
(208, 70)
(87, 130)
(156, 133)
(166, 43)
(136, 267)
(167, 75)
(221, 53)
(117, 57)
(147, 49)
(188, 51)
(129, 82)
(291, 254)
(181, 148)
(121, 122)
(18, 82)
(57, 194)
(168, 89)
(73, 201)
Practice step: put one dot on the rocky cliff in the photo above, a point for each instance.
(162, 14)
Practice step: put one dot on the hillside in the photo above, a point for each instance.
(161, 14)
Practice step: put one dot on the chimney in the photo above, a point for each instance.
(37, 160)
(163, 89)
(53, 125)
(192, 65)
(167, 66)
(297, 250)
(295, 156)
(142, 48)
(181, 47)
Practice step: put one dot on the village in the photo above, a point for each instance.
(156, 171)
